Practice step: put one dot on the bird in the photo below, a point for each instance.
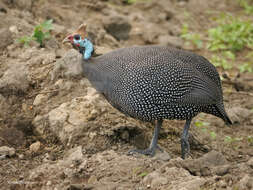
(153, 83)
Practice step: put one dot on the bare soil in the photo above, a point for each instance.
(66, 136)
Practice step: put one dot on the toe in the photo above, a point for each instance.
(147, 152)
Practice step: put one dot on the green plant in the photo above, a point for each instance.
(247, 66)
(213, 135)
(25, 40)
(201, 123)
(250, 140)
(41, 32)
(221, 62)
(129, 2)
(229, 139)
(246, 5)
(202, 126)
(143, 174)
(191, 37)
(232, 35)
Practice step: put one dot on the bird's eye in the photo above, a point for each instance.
(77, 37)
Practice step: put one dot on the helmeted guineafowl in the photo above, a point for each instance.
(153, 83)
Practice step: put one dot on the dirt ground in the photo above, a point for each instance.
(57, 132)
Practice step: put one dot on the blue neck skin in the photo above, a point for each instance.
(87, 46)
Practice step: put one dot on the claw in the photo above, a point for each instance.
(146, 152)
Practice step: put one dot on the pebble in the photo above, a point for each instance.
(21, 156)
(6, 151)
(163, 156)
(92, 179)
(35, 147)
(13, 29)
(39, 99)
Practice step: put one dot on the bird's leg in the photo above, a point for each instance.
(153, 145)
(185, 146)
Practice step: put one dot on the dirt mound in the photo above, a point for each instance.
(57, 132)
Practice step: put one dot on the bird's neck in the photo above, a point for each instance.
(94, 74)
(88, 49)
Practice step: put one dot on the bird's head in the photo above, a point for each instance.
(79, 41)
(76, 37)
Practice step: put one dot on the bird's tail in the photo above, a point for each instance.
(223, 115)
(227, 119)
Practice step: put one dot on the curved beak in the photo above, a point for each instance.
(69, 39)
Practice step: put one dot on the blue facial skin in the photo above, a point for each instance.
(86, 45)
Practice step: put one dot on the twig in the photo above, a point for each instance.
(243, 93)
(45, 92)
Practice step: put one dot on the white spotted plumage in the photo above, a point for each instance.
(153, 82)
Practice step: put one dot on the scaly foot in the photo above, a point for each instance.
(185, 148)
(147, 152)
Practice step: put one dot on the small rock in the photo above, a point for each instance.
(3, 8)
(92, 179)
(23, 4)
(35, 147)
(246, 182)
(222, 184)
(7, 151)
(125, 135)
(204, 165)
(154, 179)
(49, 183)
(238, 114)
(2, 157)
(164, 156)
(59, 53)
(5, 37)
(250, 162)
(70, 66)
(39, 125)
(59, 83)
(16, 78)
(118, 26)
(75, 187)
(24, 107)
(74, 154)
(169, 40)
(221, 170)
(12, 135)
(51, 44)
(21, 156)
(92, 135)
(14, 29)
(150, 33)
(39, 99)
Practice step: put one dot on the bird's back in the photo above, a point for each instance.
(154, 82)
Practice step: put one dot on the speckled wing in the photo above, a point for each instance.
(157, 74)
(185, 85)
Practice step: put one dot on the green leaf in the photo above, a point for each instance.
(246, 67)
(232, 34)
(201, 123)
(229, 55)
(39, 36)
(143, 174)
(47, 25)
(228, 139)
(25, 40)
(213, 135)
